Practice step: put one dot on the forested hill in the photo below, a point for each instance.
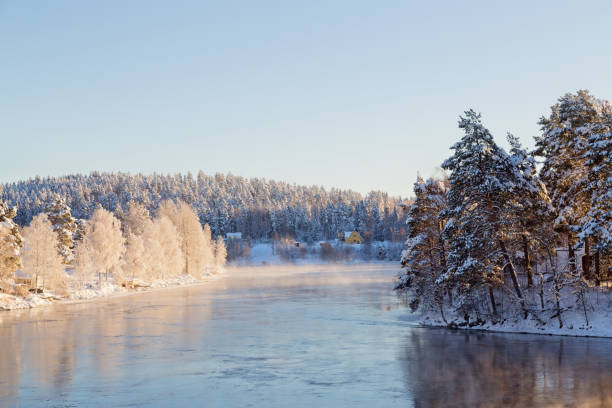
(258, 208)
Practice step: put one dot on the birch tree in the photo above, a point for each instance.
(41, 259)
(104, 242)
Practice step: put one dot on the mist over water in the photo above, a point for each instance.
(284, 335)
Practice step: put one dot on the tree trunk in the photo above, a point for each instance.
(441, 304)
(571, 254)
(492, 300)
(586, 259)
(597, 271)
(509, 268)
(527, 261)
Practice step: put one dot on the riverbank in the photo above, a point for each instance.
(92, 291)
(574, 321)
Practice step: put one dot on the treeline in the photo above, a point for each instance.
(498, 227)
(258, 208)
(134, 247)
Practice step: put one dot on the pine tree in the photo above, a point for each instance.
(530, 205)
(424, 258)
(564, 147)
(481, 190)
(40, 257)
(64, 226)
(10, 243)
(597, 223)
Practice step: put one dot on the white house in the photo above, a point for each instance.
(233, 235)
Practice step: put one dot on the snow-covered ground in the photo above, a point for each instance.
(91, 291)
(598, 312)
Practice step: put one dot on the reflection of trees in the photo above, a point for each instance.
(458, 369)
(11, 360)
(47, 352)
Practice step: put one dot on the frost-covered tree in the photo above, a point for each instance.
(103, 242)
(134, 218)
(81, 229)
(220, 254)
(258, 208)
(85, 268)
(564, 145)
(172, 260)
(479, 198)
(64, 226)
(10, 243)
(134, 262)
(597, 223)
(529, 206)
(424, 258)
(195, 243)
(41, 260)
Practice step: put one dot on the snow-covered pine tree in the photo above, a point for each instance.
(10, 243)
(64, 226)
(479, 199)
(40, 257)
(597, 223)
(81, 230)
(564, 147)
(530, 206)
(424, 258)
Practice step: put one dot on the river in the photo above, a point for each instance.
(284, 336)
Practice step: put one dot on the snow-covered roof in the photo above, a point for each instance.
(234, 235)
(347, 234)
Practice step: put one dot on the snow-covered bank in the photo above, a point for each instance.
(93, 291)
(574, 321)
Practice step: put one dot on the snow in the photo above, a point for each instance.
(599, 313)
(92, 291)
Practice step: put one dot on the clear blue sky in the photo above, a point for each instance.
(354, 94)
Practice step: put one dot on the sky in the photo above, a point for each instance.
(352, 94)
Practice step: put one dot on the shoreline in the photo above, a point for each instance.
(599, 332)
(34, 301)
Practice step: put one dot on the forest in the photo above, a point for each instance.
(517, 235)
(60, 257)
(260, 209)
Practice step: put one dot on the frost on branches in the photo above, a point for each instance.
(64, 226)
(485, 247)
(111, 254)
(10, 245)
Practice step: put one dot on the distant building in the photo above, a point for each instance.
(233, 235)
(352, 237)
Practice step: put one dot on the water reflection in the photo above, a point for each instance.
(277, 337)
(444, 368)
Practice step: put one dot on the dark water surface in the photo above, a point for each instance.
(284, 337)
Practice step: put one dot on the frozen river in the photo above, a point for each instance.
(284, 337)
